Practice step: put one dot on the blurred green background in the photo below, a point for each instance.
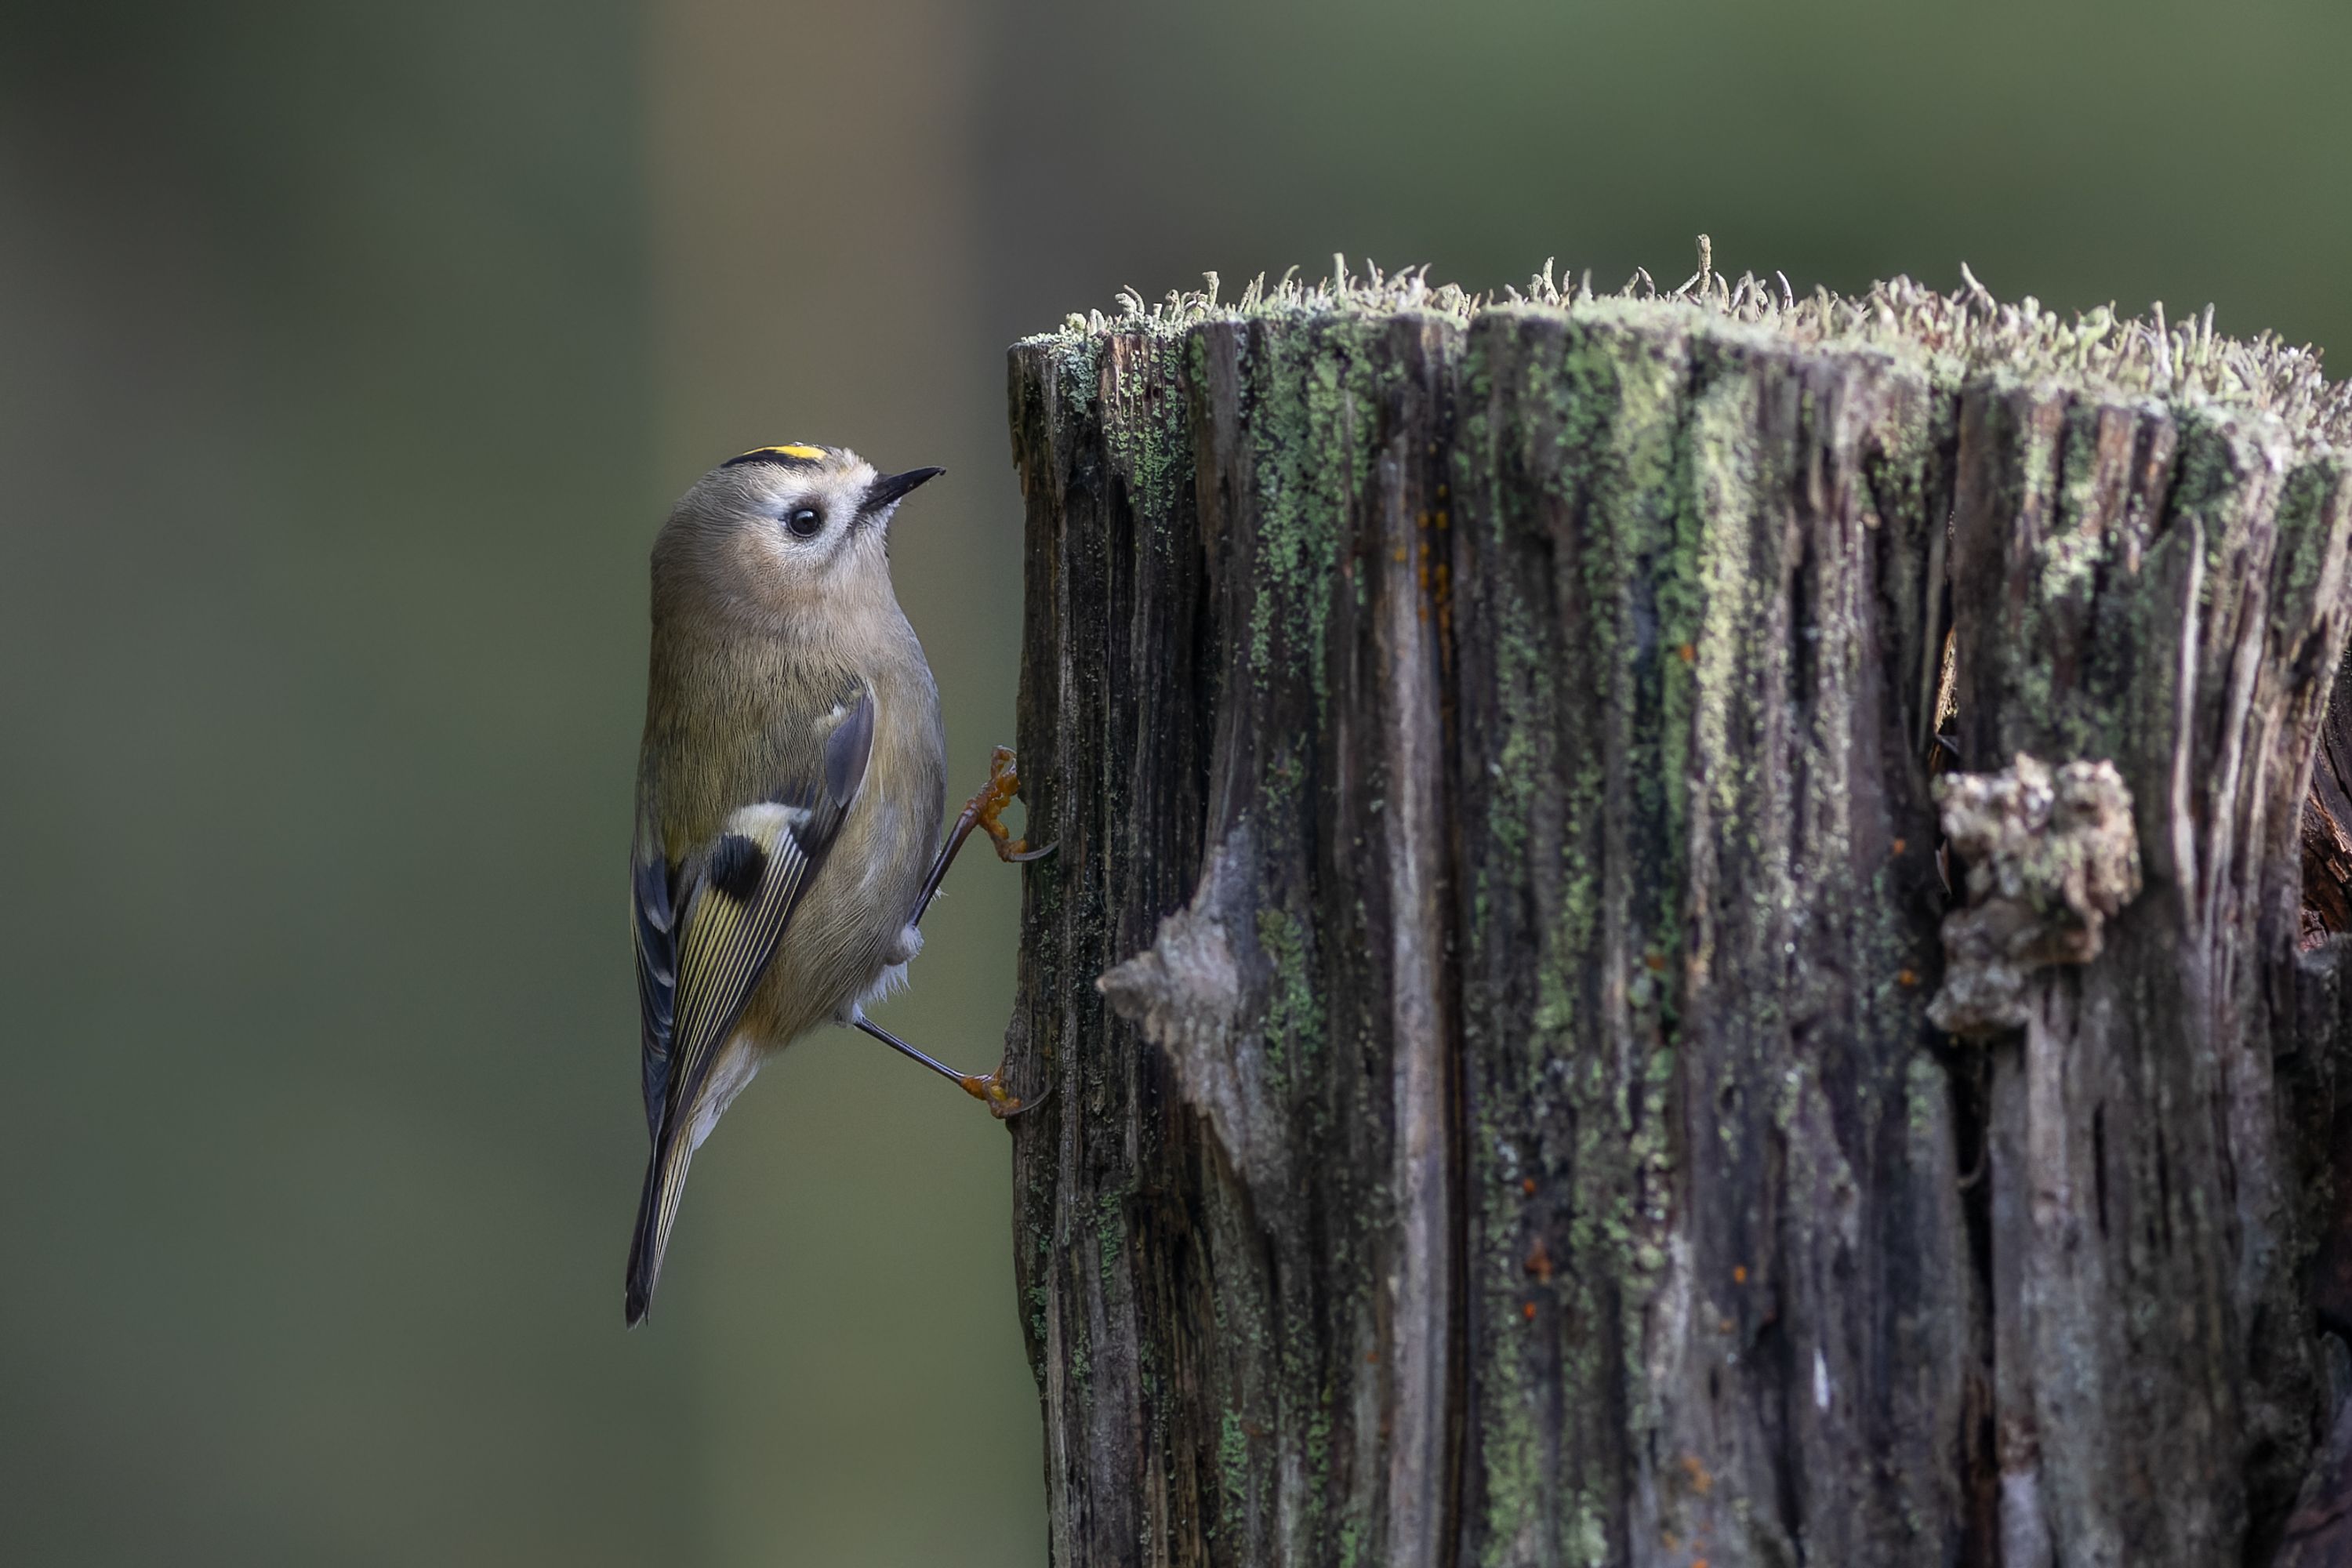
(349, 355)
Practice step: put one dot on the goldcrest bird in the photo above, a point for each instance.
(789, 794)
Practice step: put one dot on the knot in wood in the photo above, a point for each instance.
(1197, 994)
(2050, 854)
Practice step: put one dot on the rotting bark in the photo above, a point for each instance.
(1488, 749)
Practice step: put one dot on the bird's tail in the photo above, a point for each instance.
(657, 1212)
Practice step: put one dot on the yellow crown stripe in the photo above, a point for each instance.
(791, 449)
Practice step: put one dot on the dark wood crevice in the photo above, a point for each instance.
(2327, 826)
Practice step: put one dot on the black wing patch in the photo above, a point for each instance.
(736, 866)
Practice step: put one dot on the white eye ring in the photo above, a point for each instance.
(804, 522)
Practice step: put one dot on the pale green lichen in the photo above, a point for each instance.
(1967, 331)
(1234, 1464)
(1294, 1015)
(1111, 1231)
(1146, 429)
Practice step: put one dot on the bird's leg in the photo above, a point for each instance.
(985, 810)
(987, 1087)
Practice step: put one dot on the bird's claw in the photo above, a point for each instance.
(988, 1088)
(1003, 783)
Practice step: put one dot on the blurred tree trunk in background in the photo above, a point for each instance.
(1489, 753)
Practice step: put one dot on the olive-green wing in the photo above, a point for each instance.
(729, 920)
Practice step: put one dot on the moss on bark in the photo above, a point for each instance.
(1536, 1149)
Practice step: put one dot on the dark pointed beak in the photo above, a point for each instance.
(889, 489)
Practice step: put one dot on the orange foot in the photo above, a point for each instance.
(1004, 782)
(988, 1088)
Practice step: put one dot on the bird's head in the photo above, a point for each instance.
(780, 533)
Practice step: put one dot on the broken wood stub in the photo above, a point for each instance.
(2046, 858)
(1484, 977)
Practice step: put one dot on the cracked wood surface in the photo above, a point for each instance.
(1483, 978)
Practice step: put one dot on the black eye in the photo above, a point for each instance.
(806, 524)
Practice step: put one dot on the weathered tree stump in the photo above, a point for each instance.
(1509, 1099)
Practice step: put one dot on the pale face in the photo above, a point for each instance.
(805, 527)
(785, 529)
